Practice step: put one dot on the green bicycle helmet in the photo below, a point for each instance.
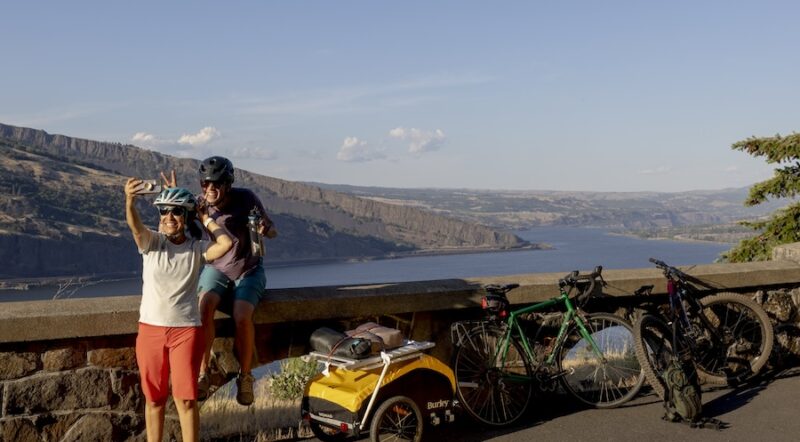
(176, 196)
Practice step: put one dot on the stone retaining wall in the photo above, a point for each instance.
(71, 390)
(68, 369)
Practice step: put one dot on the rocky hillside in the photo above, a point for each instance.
(61, 211)
(518, 210)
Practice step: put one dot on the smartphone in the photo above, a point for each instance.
(148, 187)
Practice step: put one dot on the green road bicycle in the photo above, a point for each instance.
(499, 359)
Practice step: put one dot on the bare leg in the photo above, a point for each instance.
(154, 420)
(209, 301)
(189, 416)
(245, 333)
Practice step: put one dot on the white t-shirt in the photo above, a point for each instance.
(170, 275)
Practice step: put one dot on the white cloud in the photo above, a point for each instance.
(254, 153)
(150, 141)
(206, 135)
(143, 137)
(657, 171)
(355, 150)
(420, 141)
(188, 145)
(732, 169)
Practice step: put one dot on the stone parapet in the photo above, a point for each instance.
(788, 252)
(68, 370)
(94, 317)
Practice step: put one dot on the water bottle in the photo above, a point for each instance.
(256, 238)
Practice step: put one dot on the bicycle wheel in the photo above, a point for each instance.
(606, 380)
(492, 390)
(652, 339)
(741, 341)
(397, 419)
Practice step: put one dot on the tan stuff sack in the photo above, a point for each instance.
(390, 337)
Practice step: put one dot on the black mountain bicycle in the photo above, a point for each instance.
(728, 335)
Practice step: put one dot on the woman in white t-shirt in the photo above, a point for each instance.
(170, 342)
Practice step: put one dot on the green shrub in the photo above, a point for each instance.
(292, 379)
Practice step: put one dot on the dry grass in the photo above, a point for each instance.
(268, 419)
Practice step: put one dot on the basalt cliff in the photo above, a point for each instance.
(62, 211)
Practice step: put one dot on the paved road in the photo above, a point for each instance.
(765, 411)
(768, 410)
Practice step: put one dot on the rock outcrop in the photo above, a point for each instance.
(61, 211)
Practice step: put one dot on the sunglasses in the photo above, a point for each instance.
(217, 184)
(174, 210)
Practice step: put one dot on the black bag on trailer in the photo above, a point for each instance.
(324, 339)
(335, 343)
(354, 348)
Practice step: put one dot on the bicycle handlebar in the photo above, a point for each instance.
(669, 271)
(574, 278)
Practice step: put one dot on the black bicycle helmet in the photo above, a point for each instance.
(216, 169)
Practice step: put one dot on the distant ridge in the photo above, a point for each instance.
(525, 209)
(61, 211)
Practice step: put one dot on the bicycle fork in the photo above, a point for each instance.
(581, 320)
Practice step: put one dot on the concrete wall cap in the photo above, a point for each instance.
(110, 316)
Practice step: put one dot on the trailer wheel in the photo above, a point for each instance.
(326, 433)
(398, 418)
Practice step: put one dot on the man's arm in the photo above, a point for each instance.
(141, 234)
(222, 242)
(169, 182)
(267, 227)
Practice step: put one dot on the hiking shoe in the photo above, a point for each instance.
(244, 388)
(203, 385)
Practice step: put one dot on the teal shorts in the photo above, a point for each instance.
(250, 287)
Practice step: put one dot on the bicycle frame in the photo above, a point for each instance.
(679, 291)
(512, 325)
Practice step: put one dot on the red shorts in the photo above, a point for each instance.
(161, 351)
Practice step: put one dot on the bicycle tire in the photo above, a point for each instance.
(398, 418)
(749, 336)
(601, 382)
(653, 345)
(328, 434)
(485, 391)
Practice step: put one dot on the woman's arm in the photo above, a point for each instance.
(141, 234)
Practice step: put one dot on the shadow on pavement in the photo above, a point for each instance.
(543, 408)
(745, 392)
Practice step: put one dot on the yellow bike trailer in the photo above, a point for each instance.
(407, 388)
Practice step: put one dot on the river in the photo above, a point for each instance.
(573, 248)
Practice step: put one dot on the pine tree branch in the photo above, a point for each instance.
(776, 149)
(785, 184)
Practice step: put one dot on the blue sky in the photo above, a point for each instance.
(574, 95)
